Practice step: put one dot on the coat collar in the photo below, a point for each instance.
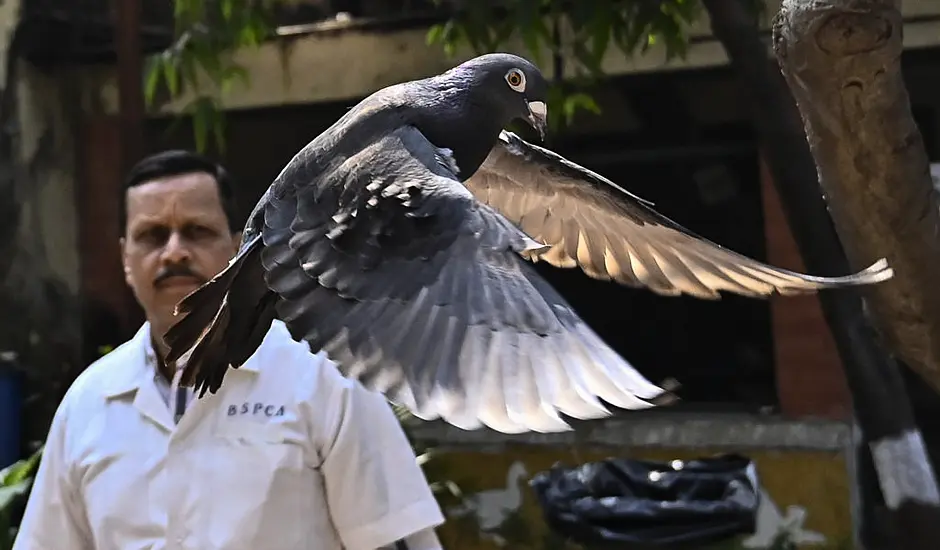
(136, 364)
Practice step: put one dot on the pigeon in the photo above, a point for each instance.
(401, 241)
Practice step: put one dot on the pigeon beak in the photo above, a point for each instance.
(538, 117)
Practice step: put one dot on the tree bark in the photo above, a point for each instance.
(880, 401)
(841, 59)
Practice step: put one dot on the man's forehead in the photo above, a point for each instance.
(195, 191)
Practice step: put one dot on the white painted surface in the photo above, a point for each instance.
(904, 470)
(771, 523)
(493, 507)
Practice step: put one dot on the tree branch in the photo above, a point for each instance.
(841, 61)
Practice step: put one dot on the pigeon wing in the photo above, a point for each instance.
(419, 291)
(590, 222)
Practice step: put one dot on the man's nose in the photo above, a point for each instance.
(176, 249)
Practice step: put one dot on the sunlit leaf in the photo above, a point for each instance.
(15, 480)
(435, 34)
(20, 471)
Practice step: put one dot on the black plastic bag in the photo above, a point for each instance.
(636, 504)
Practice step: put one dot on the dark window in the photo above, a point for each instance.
(720, 351)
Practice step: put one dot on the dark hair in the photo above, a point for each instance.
(174, 163)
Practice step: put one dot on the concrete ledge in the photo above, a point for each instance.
(343, 64)
(665, 430)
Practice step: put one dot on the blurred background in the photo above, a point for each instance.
(645, 96)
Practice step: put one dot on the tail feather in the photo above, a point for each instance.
(226, 320)
(201, 308)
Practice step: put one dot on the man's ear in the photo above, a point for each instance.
(123, 246)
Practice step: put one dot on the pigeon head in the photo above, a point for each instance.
(509, 86)
(465, 108)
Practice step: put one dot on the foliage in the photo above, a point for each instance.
(15, 482)
(207, 34)
(209, 31)
(554, 29)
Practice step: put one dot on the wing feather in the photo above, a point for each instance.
(590, 222)
(417, 290)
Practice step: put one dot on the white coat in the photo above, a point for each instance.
(288, 455)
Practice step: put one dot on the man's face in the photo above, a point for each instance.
(176, 238)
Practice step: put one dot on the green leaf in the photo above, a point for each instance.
(227, 7)
(601, 30)
(171, 74)
(207, 33)
(584, 101)
(16, 479)
(450, 37)
(435, 34)
(152, 76)
(22, 469)
(232, 74)
(218, 128)
(201, 124)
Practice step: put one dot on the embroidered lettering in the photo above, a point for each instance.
(267, 409)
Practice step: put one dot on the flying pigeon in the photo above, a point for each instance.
(401, 242)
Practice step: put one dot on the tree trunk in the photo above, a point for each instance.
(879, 398)
(841, 59)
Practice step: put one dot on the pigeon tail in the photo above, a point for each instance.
(226, 320)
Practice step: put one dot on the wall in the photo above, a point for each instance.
(810, 380)
(303, 65)
(38, 255)
(803, 470)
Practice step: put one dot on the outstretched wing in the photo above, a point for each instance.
(416, 289)
(611, 234)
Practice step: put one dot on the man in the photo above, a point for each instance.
(287, 455)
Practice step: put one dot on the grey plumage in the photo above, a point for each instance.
(400, 240)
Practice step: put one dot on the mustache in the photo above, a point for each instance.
(177, 270)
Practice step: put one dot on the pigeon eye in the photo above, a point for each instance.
(516, 80)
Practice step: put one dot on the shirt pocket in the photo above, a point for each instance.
(257, 487)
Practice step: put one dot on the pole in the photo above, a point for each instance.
(127, 44)
(126, 17)
(880, 400)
